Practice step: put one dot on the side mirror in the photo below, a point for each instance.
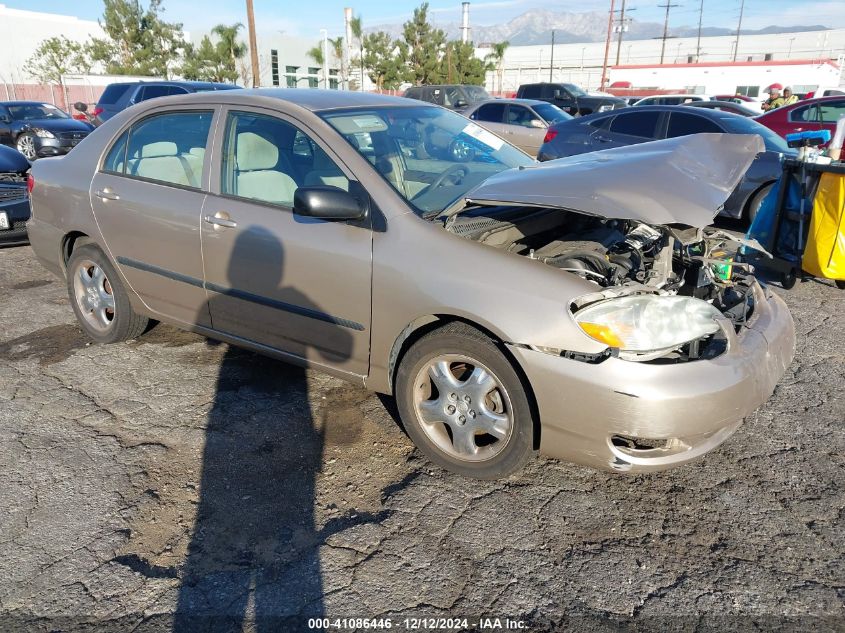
(461, 103)
(5, 118)
(328, 203)
(80, 106)
(536, 123)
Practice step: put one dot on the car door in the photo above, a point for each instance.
(294, 284)
(491, 116)
(526, 129)
(561, 98)
(800, 119)
(147, 198)
(628, 128)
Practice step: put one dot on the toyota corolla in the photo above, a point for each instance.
(579, 308)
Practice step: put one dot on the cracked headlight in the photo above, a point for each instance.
(42, 133)
(648, 323)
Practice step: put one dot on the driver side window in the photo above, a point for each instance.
(265, 159)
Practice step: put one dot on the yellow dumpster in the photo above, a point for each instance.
(824, 255)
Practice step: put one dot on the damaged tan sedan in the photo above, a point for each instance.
(579, 307)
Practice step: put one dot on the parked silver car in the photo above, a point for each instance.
(577, 307)
(521, 122)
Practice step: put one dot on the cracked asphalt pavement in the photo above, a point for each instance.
(173, 483)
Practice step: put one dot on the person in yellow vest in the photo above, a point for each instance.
(788, 97)
(775, 99)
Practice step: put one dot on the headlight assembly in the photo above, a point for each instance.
(648, 323)
(42, 133)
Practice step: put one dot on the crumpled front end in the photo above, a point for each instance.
(629, 416)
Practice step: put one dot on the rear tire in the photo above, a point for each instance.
(99, 299)
(756, 202)
(463, 404)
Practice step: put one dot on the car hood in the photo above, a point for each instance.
(56, 125)
(12, 161)
(682, 180)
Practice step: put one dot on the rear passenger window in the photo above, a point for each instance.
(263, 159)
(641, 124)
(492, 112)
(151, 92)
(531, 92)
(167, 148)
(686, 124)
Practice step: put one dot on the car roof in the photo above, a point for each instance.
(705, 112)
(315, 100)
(167, 82)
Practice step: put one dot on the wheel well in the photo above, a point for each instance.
(70, 242)
(747, 206)
(420, 327)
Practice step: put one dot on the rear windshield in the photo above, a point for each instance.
(113, 93)
(551, 113)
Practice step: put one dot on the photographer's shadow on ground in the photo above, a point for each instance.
(253, 557)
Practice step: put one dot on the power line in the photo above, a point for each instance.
(667, 6)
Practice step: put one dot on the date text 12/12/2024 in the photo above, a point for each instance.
(419, 624)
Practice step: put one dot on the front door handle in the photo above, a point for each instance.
(221, 218)
(106, 194)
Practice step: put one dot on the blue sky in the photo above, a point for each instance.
(197, 15)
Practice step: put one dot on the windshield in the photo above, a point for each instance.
(575, 90)
(431, 156)
(36, 111)
(743, 125)
(476, 93)
(551, 113)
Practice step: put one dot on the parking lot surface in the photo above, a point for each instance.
(172, 481)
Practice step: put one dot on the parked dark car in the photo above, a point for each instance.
(453, 96)
(14, 202)
(570, 98)
(39, 129)
(724, 106)
(117, 97)
(649, 123)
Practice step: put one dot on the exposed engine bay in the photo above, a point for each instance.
(621, 257)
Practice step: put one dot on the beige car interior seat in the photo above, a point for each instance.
(256, 176)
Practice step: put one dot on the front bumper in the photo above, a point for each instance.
(45, 147)
(17, 212)
(681, 411)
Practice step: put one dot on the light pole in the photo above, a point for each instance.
(253, 46)
(789, 52)
(325, 35)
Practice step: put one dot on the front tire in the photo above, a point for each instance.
(463, 404)
(26, 146)
(99, 299)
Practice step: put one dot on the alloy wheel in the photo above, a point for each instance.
(26, 146)
(463, 408)
(93, 295)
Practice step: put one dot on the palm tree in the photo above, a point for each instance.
(229, 40)
(497, 57)
(358, 33)
(316, 53)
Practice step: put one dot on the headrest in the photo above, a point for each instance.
(255, 152)
(162, 148)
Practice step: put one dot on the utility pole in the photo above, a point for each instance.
(552, 61)
(621, 29)
(698, 41)
(738, 29)
(607, 46)
(668, 6)
(253, 46)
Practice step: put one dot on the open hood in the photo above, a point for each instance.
(683, 180)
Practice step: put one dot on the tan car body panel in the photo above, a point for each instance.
(420, 273)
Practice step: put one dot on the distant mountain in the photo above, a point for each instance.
(535, 27)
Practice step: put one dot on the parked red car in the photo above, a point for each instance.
(810, 114)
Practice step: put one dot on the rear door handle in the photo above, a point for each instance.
(106, 194)
(221, 219)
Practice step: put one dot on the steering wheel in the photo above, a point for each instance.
(448, 173)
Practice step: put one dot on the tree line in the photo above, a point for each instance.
(140, 41)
